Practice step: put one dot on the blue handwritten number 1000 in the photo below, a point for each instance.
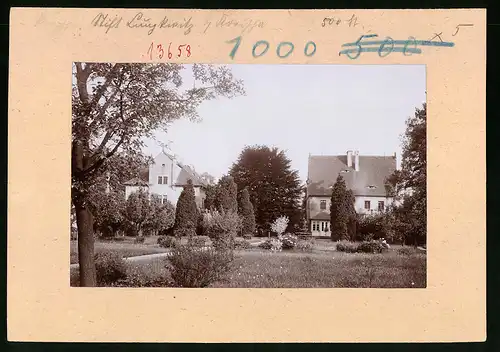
(261, 47)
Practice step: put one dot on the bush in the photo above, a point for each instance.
(304, 245)
(221, 227)
(198, 267)
(167, 241)
(198, 241)
(370, 227)
(240, 243)
(272, 244)
(347, 247)
(139, 239)
(371, 247)
(110, 267)
(288, 241)
(406, 251)
(185, 232)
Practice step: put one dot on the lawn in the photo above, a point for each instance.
(126, 248)
(323, 267)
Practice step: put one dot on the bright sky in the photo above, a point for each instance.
(317, 109)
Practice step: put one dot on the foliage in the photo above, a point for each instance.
(186, 212)
(246, 213)
(139, 239)
(161, 215)
(240, 243)
(115, 106)
(371, 226)
(247, 236)
(210, 195)
(108, 212)
(198, 241)
(371, 247)
(280, 225)
(273, 186)
(273, 244)
(221, 227)
(167, 241)
(408, 185)
(341, 211)
(137, 210)
(288, 241)
(406, 250)
(191, 266)
(226, 195)
(346, 246)
(110, 267)
(304, 245)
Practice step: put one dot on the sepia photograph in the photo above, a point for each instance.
(248, 176)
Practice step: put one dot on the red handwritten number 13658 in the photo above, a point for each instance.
(161, 52)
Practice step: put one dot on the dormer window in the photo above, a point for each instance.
(345, 171)
(371, 187)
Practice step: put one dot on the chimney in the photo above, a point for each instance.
(356, 160)
(349, 158)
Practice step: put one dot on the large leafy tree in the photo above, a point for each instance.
(116, 106)
(275, 189)
(408, 185)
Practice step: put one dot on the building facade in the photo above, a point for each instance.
(166, 178)
(365, 175)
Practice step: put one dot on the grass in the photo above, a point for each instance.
(320, 269)
(126, 248)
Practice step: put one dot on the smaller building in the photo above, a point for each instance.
(366, 176)
(166, 178)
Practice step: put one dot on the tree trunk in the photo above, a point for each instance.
(85, 246)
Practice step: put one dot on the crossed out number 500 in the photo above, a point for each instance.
(283, 50)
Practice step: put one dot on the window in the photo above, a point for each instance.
(367, 204)
(322, 226)
(315, 226)
(326, 226)
(162, 180)
(164, 199)
(322, 204)
(381, 206)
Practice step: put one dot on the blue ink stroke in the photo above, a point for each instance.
(409, 46)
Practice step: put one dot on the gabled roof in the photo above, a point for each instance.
(187, 173)
(136, 181)
(373, 171)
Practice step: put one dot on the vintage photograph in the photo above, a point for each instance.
(248, 176)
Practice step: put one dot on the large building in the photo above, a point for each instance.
(166, 178)
(365, 175)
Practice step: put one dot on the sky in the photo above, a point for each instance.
(302, 109)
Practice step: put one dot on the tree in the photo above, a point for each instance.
(247, 214)
(210, 195)
(109, 212)
(340, 211)
(273, 186)
(186, 212)
(408, 185)
(137, 210)
(116, 106)
(161, 216)
(226, 195)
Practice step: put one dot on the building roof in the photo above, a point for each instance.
(323, 215)
(136, 181)
(370, 180)
(185, 174)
